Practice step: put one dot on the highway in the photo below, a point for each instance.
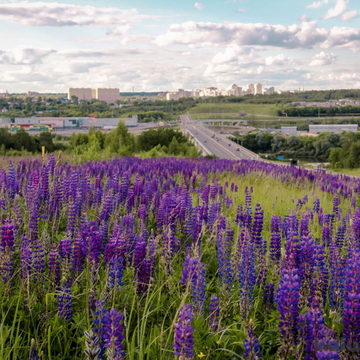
(214, 144)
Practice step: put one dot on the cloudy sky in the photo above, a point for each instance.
(168, 44)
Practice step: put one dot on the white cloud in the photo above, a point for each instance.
(304, 35)
(241, 11)
(323, 59)
(24, 56)
(199, 6)
(349, 15)
(59, 14)
(339, 8)
(317, 4)
(279, 60)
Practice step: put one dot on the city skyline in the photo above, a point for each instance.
(53, 45)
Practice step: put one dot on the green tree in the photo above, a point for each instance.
(120, 141)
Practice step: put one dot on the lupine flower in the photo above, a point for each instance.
(252, 346)
(98, 325)
(224, 242)
(6, 250)
(247, 275)
(92, 346)
(313, 330)
(11, 180)
(34, 354)
(351, 314)
(275, 240)
(257, 230)
(269, 295)
(65, 303)
(214, 310)
(184, 334)
(54, 263)
(115, 273)
(113, 335)
(287, 299)
(316, 207)
(193, 276)
(327, 347)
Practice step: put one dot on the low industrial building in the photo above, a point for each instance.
(65, 123)
(289, 130)
(332, 128)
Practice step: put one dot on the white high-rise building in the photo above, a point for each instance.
(236, 90)
(258, 89)
(251, 89)
(107, 94)
(82, 94)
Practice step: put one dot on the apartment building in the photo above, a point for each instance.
(108, 95)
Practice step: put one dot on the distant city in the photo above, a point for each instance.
(251, 89)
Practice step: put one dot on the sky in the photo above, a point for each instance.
(164, 45)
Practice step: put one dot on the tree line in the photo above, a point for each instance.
(96, 144)
(313, 111)
(309, 148)
(21, 141)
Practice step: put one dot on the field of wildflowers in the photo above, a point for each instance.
(178, 258)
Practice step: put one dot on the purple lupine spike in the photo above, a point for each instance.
(107, 208)
(269, 295)
(198, 288)
(327, 347)
(248, 199)
(336, 209)
(275, 240)
(257, 230)
(54, 263)
(78, 254)
(251, 345)
(144, 274)
(193, 276)
(25, 259)
(65, 310)
(214, 310)
(113, 335)
(139, 253)
(322, 268)
(337, 279)
(214, 212)
(93, 241)
(37, 259)
(313, 329)
(44, 184)
(304, 226)
(290, 226)
(223, 244)
(51, 165)
(11, 180)
(34, 220)
(115, 274)
(356, 228)
(287, 298)
(247, 274)
(326, 235)
(71, 218)
(316, 206)
(65, 248)
(7, 242)
(340, 235)
(98, 326)
(351, 313)
(184, 334)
